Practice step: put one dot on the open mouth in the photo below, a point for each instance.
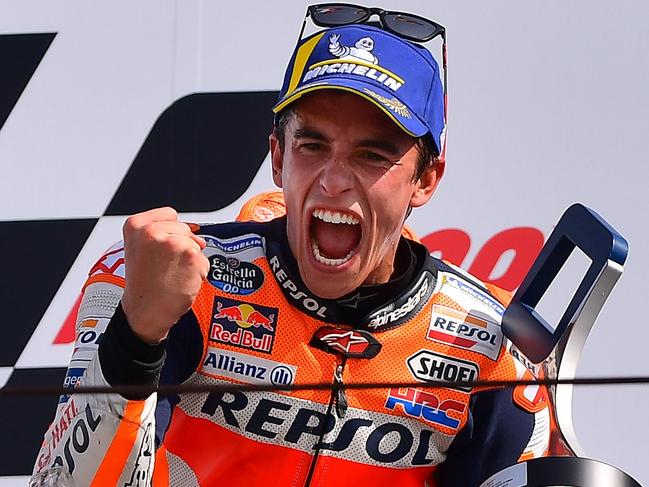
(334, 236)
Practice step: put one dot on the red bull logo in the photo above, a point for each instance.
(243, 325)
(245, 316)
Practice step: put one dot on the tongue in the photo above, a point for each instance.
(334, 240)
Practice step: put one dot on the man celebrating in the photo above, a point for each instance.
(330, 293)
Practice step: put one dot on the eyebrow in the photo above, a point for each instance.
(308, 133)
(382, 145)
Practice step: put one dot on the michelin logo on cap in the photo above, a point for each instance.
(358, 61)
(362, 50)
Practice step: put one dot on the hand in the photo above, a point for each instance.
(164, 271)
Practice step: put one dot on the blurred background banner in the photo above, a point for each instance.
(109, 108)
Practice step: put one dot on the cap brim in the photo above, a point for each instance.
(385, 100)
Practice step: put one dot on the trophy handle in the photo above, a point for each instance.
(579, 227)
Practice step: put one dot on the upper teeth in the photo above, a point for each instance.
(335, 217)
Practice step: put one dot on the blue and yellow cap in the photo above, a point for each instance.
(400, 77)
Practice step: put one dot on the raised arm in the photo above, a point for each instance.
(108, 439)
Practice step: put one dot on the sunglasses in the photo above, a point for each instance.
(407, 26)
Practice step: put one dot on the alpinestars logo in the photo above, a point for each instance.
(349, 343)
(389, 317)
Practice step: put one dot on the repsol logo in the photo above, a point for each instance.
(79, 439)
(371, 439)
(86, 337)
(464, 330)
(428, 366)
(303, 300)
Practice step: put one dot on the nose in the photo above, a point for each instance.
(336, 176)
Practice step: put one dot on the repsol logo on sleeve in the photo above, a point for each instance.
(79, 439)
(362, 436)
(468, 331)
(428, 366)
(299, 297)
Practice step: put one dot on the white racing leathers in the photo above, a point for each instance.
(101, 439)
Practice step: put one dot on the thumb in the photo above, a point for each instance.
(195, 227)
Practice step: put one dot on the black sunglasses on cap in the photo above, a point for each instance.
(409, 26)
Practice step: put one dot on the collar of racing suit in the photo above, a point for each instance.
(375, 307)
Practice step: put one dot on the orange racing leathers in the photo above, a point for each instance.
(255, 322)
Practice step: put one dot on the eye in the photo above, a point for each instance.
(311, 147)
(374, 158)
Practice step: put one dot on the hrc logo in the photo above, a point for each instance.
(421, 404)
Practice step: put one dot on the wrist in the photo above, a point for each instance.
(126, 359)
(144, 324)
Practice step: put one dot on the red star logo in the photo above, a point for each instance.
(346, 341)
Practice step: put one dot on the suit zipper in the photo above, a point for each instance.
(338, 399)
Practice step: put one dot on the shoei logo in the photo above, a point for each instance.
(358, 60)
(428, 366)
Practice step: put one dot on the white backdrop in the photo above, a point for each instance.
(548, 106)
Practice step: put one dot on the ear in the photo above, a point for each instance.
(426, 185)
(277, 158)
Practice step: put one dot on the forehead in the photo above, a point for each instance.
(343, 111)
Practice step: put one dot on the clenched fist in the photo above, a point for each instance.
(164, 271)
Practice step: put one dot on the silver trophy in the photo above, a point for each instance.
(555, 349)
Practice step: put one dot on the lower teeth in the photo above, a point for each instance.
(327, 261)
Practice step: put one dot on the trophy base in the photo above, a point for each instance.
(561, 472)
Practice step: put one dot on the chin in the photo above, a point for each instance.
(326, 286)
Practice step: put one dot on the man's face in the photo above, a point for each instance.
(347, 174)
